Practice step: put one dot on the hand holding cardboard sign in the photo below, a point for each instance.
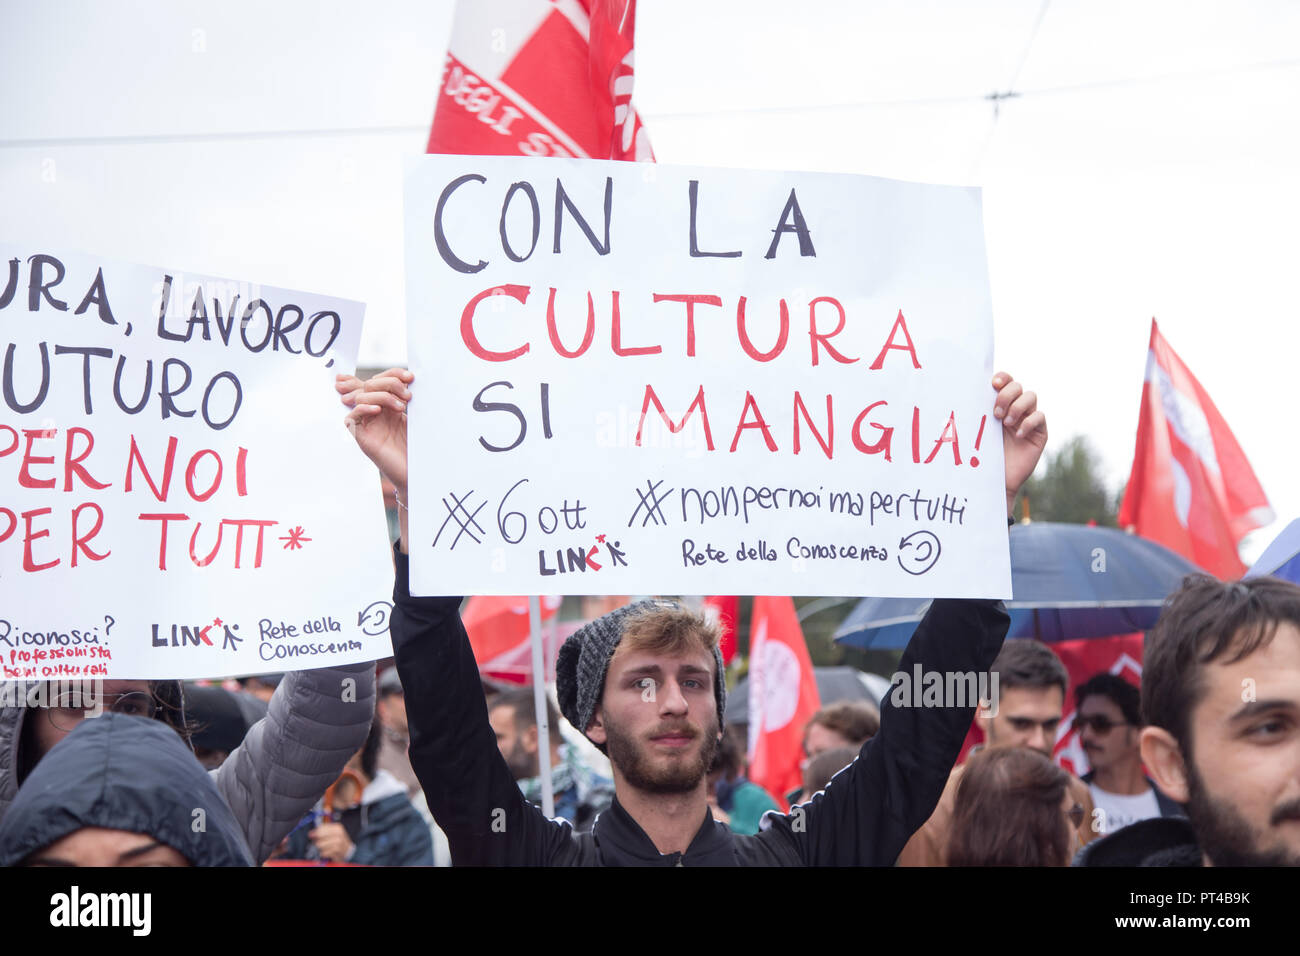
(378, 423)
(1024, 431)
(378, 419)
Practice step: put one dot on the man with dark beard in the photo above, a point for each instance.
(646, 684)
(577, 791)
(1221, 700)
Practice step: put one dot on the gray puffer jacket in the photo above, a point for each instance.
(315, 722)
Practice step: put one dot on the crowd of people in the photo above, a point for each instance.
(421, 761)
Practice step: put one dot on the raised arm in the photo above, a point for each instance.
(1024, 432)
(316, 721)
(378, 423)
(470, 790)
(870, 809)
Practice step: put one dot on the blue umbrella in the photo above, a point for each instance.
(1281, 558)
(1068, 581)
(833, 683)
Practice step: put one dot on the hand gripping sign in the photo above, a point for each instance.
(179, 499)
(671, 380)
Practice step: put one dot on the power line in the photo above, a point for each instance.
(997, 97)
(1163, 77)
(978, 98)
(232, 136)
(1024, 57)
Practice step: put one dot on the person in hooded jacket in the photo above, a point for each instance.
(316, 721)
(121, 791)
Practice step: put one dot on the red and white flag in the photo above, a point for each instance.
(540, 78)
(782, 695)
(1191, 488)
(499, 634)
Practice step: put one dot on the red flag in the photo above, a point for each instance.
(726, 609)
(540, 78)
(782, 695)
(498, 632)
(1191, 488)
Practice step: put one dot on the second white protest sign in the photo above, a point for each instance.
(180, 498)
(653, 379)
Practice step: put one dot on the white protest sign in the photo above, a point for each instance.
(181, 498)
(653, 379)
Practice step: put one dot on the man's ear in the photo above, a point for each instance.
(596, 729)
(530, 739)
(1164, 761)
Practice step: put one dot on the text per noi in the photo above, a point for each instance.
(58, 461)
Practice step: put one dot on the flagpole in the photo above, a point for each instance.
(539, 704)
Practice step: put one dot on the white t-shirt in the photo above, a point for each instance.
(1118, 810)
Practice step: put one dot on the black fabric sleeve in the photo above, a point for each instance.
(871, 808)
(470, 790)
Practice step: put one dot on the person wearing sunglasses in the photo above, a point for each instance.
(1108, 719)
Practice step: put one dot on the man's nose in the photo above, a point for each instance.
(1038, 740)
(671, 699)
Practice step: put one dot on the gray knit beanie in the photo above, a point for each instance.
(584, 659)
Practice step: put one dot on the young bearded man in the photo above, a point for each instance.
(579, 792)
(1221, 701)
(645, 683)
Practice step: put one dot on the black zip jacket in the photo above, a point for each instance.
(1158, 841)
(862, 818)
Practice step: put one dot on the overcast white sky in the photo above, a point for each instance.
(1150, 166)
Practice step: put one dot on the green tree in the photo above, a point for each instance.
(1067, 487)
